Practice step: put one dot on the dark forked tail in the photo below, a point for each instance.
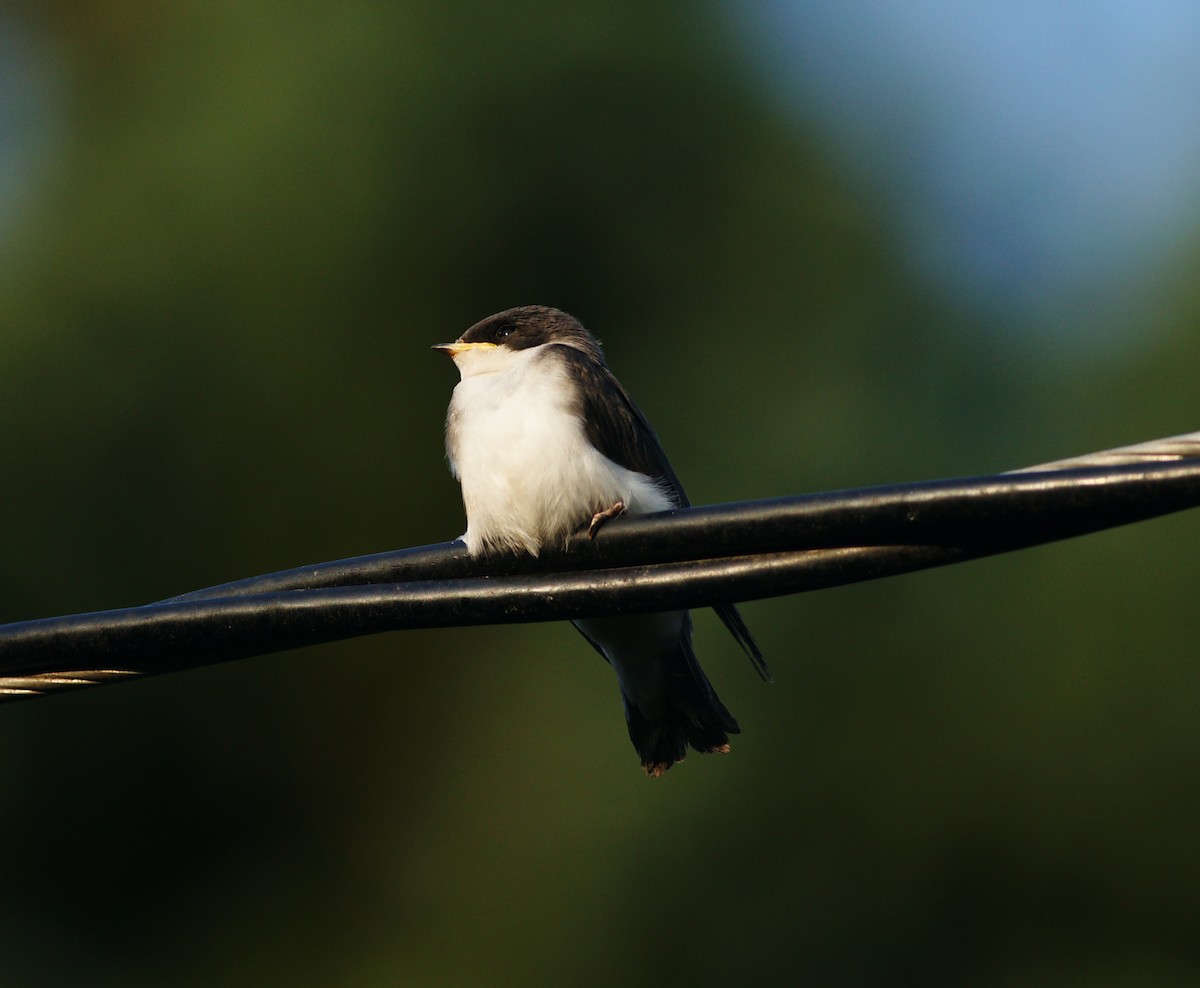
(691, 714)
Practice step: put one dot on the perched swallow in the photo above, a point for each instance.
(545, 442)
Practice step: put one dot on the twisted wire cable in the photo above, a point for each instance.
(684, 558)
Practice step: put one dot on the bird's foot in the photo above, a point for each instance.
(600, 517)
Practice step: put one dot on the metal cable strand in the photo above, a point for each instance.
(685, 558)
(1169, 450)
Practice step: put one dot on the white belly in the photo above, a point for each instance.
(529, 474)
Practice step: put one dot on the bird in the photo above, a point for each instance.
(546, 442)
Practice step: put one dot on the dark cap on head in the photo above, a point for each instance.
(533, 325)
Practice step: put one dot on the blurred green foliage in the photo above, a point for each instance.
(217, 307)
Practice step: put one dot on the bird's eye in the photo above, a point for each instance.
(503, 332)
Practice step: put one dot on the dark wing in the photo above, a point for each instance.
(618, 429)
(732, 619)
(614, 424)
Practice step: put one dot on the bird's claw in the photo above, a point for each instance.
(600, 517)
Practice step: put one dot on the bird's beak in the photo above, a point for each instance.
(458, 346)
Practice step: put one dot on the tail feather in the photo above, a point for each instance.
(669, 703)
(691, 714)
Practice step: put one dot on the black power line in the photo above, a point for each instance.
(683, 558)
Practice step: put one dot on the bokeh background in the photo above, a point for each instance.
(826, 245)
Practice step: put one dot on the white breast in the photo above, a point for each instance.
(529, 474)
